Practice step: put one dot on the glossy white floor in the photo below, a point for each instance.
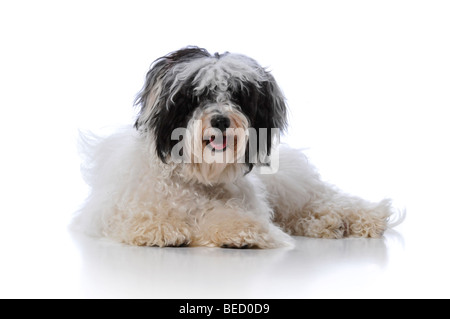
(367, 86)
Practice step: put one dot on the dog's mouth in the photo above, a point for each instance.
(217, 143)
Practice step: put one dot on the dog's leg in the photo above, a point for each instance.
(231, 228)
(336, 215)
(149, 229)
(306, 206)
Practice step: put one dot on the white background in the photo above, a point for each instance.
(368, 85)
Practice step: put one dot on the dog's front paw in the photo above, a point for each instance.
(147, 232)
(333, 227)
(161, 236)
(243, 234)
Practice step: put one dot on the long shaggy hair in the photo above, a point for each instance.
(191, 85)
(184, 175)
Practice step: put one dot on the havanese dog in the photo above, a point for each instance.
(203, 166)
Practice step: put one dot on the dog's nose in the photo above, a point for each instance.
(220, 122)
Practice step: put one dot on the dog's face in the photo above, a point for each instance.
(214, 115)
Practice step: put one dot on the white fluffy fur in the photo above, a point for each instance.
(139, 200)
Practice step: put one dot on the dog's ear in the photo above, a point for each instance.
(274, 100)
(269, 115)
(149, 97)
(273, 111)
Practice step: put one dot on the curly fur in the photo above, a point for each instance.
(141, 196)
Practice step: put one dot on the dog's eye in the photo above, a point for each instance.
(246, 99)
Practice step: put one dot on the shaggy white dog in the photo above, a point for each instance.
(202, 166)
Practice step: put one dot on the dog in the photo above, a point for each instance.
(203, 166)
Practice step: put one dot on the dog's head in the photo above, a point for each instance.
(216, 115)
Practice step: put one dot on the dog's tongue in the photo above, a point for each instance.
(217, 143)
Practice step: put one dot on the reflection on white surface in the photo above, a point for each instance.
(78, 266)
(114, 270)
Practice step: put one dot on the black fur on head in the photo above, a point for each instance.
(180, 82)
